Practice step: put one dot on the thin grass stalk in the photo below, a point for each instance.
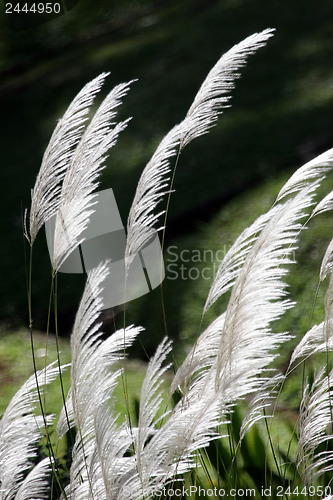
(124, 371)
(49, 444)
(163, 233)
(33, 352)
(55, 297)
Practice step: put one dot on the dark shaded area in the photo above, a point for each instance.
(281, 115)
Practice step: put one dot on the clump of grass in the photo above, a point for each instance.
(193, 436)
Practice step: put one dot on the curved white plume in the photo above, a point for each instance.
(45, 195)
(208, 104)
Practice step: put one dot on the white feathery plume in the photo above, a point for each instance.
(85, 340)
(262, 400)
(326, 267)
(20, 432)
(94, 376)
(151, 397)
(162, 452)
(243, 343)
(76, 199)
(152, 186)
(214, 93)
(95, 387)
(320, 337)
(112, 442)
(86, 334)
(211, 99)
(317, 402)
(312, 342)
(257, 298)
(57, 157)
(241, 340)
(110, 351)
(328, 322)
(324, 205)
(36, 485)
(315, 428)
(311, 171)
(200, 358)
(121, 473)
(172, 449)
(328, 311)
(88, 351)
(234, 259)
(150, 401)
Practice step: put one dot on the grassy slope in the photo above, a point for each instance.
(16, 366)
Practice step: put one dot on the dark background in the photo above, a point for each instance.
(281, 116)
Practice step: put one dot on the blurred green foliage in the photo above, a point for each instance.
(16, 365)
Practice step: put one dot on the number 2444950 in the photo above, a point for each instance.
(35, 8)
